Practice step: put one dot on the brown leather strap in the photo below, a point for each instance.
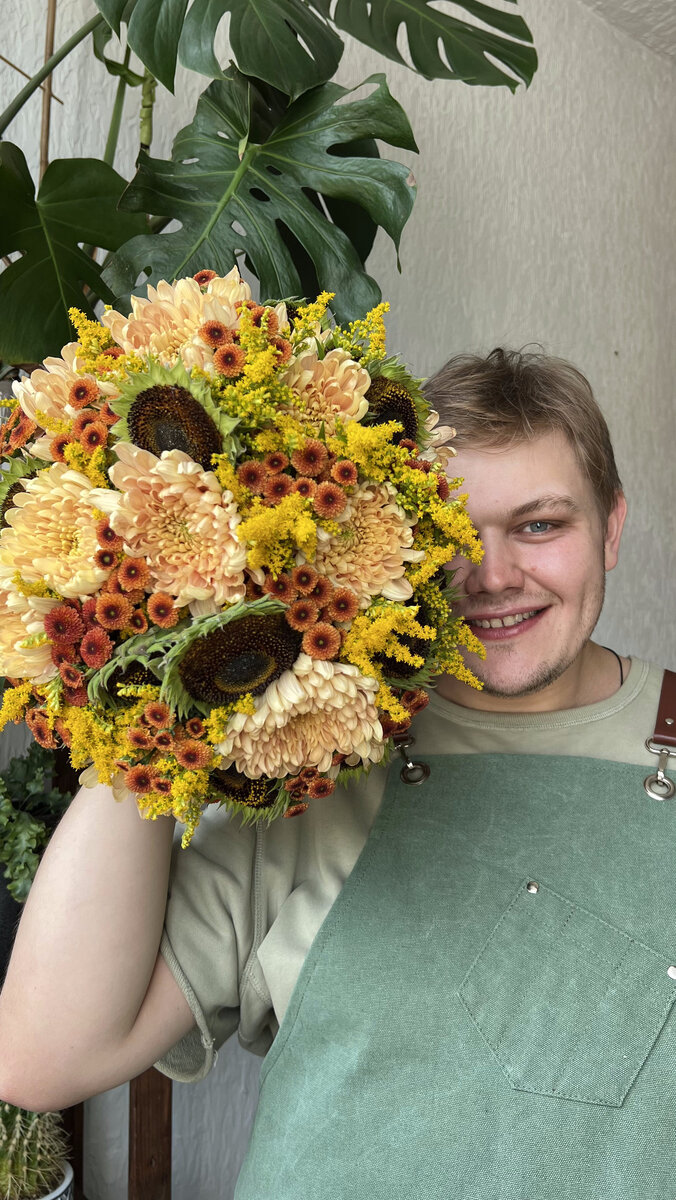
(665, 725)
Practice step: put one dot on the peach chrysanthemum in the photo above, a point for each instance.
(47, 391)
(332, 386)
(180, 520)
(50, 534)
(21, 617)
(375, 542)
(310, 711)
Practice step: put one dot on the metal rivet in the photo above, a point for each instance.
(668, 720)
(532, 886)
(671, 972)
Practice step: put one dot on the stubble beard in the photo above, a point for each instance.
(546, 673)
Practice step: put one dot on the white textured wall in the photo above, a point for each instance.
(548, 216)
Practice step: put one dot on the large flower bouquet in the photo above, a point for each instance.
(224, 529)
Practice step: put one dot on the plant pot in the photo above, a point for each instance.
(10, 912)
(65, 1190)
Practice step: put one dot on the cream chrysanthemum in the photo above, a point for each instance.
(45, 395)
(309, 712)
(23, 616)
(370, 553)
(180, 520)
(166, 324)
(50, 534)
(438, 449)
(333, 386)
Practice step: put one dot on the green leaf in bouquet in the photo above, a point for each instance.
(229, 207)
(76, 203)
(441, 45)
(282, 42)
(21, 466)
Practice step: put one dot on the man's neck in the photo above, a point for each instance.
(594, 676)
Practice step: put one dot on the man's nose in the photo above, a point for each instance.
(498, 570)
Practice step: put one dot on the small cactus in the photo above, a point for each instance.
(33, 1149)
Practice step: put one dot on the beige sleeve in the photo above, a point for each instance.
(208, 935)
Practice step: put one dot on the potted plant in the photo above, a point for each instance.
(33, 1150)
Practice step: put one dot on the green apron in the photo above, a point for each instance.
(486, 1011)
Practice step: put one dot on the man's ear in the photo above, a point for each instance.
(616, 519)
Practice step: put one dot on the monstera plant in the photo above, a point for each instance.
(279, 168)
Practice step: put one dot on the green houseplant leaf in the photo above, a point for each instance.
(242, 169)
(282, 42)
(77, 202)
(466, 46)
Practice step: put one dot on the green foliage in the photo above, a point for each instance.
(283, 42)
(241, 170)
(33, 1150)
(466, 46)
(76, 203)
(30, 807)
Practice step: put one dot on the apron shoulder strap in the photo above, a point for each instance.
(663, 740)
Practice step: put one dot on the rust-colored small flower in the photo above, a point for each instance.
(253, 590)
(321, 641)
(140, 779)
(284, 350)
(89, 612)
(113, 352)
(302, 614)
(138, 621)
(36, 720)
(162, 785)
(415, 699)
(133, 573)
(251, 474)
(407, 444)
(229, 360)
(311, 459)
(296, 809)
(106, 559)
(275, 461)
(215, 334)
(163, 740)
(282, 587)
(266, 317)
(343, 605)
(140, 739)
(344, 472)
(161, 610)
(83, 392)
(63, 652)
(195, 727)
(107, 415)
(321, 787)
(63, 624)
(308, 773)
(96, 647)
(307, 487)
(63, 731)
(304, 577)
(329, 500)
(76, 697)
(443, 489)
(158, 714)
(82, 421)
(204, 277)
(276, 487)
(113, 610)
(322, 591)
(93, 436)
(192, 754)
(106, 535)
(70, 675)
(58, 445)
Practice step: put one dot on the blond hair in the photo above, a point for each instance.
(512, 396)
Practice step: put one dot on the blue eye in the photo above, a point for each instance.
(549, 523)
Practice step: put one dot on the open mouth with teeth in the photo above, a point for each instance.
(496, 624)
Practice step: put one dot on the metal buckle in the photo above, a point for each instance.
(412, 772)
(659, 779)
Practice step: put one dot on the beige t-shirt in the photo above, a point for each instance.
(245, 904)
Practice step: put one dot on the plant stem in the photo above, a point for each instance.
(116, 117)
(47, 92)
(147, 103)
(34, 82)
(25, 74)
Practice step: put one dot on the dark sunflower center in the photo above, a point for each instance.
(9, 500)
(168, 417)
(393, 666)
(136, 674)
(256, 793)
(244, 656)
(389, 401)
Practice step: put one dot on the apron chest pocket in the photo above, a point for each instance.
(569, 1005)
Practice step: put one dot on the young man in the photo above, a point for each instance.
(473, 976)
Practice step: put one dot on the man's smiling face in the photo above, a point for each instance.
(545, 558)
